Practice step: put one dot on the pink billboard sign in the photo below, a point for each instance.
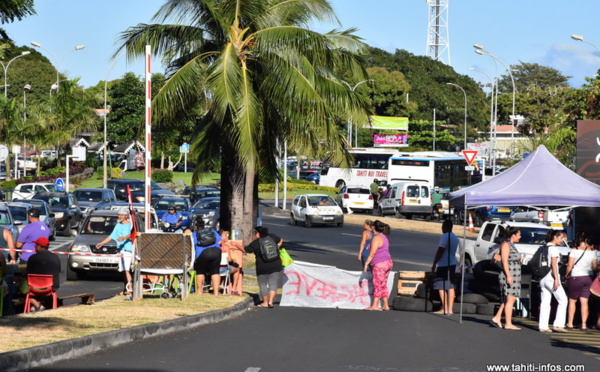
(390, 140)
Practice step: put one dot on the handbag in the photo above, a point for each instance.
(497, 260)
(568, 275)
(595, 287)
(286, 259)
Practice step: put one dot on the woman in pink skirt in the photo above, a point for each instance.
(381, 264)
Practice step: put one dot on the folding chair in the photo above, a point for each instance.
(40, 285)
(225, 271)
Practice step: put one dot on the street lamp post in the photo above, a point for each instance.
(580, 38)
(492, 122)
(26, 89)
(465, 93)
(349, 122)
(58, 62)
(5, 67)
(481, 51)
(105, 114)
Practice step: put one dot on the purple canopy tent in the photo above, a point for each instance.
(538, 180)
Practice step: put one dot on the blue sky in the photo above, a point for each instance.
(533, 31)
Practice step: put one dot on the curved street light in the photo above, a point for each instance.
(512, 79)
(465, 93)
(58, 62)
(580, 38)
(349, 122)
(492, 121)
(5, 67)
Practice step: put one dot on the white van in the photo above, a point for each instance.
(407, 199)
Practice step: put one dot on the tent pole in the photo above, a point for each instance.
(462, 264)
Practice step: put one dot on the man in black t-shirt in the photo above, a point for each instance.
(46, 263)
(268, 273)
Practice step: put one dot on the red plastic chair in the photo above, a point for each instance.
(40, 286)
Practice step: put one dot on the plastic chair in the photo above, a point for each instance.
(40, 285)
(225, 271)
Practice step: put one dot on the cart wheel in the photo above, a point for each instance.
(165, 295)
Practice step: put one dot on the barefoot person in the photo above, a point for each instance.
(444, 266)
(381, 264)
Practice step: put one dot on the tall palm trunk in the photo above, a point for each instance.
(237, 189)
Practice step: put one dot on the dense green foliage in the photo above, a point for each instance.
(162, 175)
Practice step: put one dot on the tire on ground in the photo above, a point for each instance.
(466, 309)
(473, 298)
(487, 309)
(407, 303)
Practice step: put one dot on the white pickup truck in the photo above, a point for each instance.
(491, 234)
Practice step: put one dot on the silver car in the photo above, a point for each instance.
(46, 215)
(7, 222)
(208, 209)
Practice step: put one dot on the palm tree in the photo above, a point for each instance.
(261, 77)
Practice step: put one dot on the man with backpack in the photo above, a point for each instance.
(208, 255)
(265, 247)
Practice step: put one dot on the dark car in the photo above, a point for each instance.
(94, 198)
(137, 189)
(46, 216)
(182, 205)
(199, 192)
(97, 226)
(208, 209)
(65, 207)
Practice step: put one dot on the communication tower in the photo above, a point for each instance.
(438, 42)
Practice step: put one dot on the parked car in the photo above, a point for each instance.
(19, 211)
(140, 208)
(137, 189)
(66, 210)
(28, 190)
(199, 192)
(552, 218)
(94, 198)
(209, 209)
(407, 199)
(6, 221)
(483, 214)
(316, 208)
(28, 163)
(46, 215)
(355, 197)
(96, 227)
(182, 205)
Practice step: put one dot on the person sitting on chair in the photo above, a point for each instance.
(43, 262)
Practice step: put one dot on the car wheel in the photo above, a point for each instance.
(293, 221)
(340, 224)
(307, 222)
(75, 274)
(398, 214)
(409, 216)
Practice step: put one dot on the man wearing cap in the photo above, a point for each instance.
(374, 188)
(122, 235)
(172, 217)
(34, 230)
(46, 263)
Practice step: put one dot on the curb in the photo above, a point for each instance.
(36, 356)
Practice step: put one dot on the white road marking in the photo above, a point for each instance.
(351, 234)
(274, 224)
(252, 369)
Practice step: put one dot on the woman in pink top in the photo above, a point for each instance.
(381, 264)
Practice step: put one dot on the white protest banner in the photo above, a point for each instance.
(312, 285)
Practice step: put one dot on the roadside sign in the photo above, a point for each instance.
(3, 152)
(470, 155)
(470, 168)
(185, 148)
(60, 184)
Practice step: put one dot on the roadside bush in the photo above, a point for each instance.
(162, 176)
(8, 184)
(113, 173)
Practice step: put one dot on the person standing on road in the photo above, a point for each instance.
(381, 264)
(550, 286)
(509, 278)
(581, 266)
(268, 273)
(444, 266)
(365, 242)
(374, 188)
(121, 234)
(43, 262)
(34, 230)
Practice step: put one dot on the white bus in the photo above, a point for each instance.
(369, 164)
(443, 169)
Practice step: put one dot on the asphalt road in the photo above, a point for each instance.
(304, 339)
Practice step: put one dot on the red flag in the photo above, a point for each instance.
(132, 212)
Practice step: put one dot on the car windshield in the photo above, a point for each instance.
(208, 194)
(207, 204)
(164, 205)
(18, 213)
(83, 195)
(532, 235)
(321, 200)
(99, 225)
(54, 201)
(5, 217)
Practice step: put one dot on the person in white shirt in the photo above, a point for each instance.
(581, 267)
(550, 286)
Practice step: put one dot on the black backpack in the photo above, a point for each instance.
(205, 237)
(269, 250)
(539, 263)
